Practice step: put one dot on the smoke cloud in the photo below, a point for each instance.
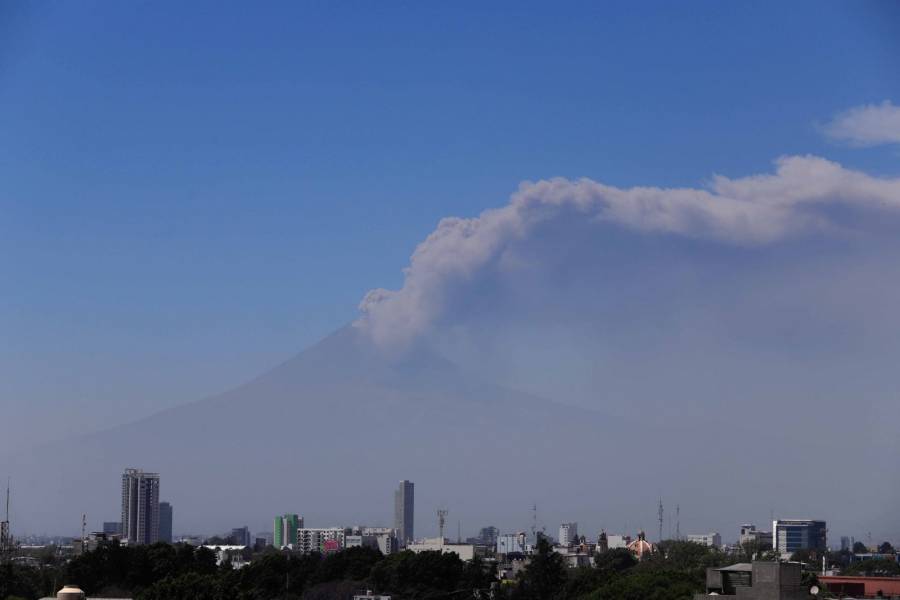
(798, 199)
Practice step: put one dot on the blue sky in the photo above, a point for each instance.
(192, 192)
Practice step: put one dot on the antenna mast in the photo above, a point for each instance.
(83, 534)
(534, 522)
(678, 522)
(660, 512)
(442, 515)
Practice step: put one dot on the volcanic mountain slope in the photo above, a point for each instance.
(329, 433)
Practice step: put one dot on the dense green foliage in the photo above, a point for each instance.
(675, 571)
(879, 567)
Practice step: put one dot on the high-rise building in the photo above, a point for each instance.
(791, 535)
(285, 532)
(140, 507)
(488, 536)
(404, 508)
(846, 542)
(568, 534)
(165, 522)
(241, 535)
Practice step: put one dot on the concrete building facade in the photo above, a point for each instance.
(712, 539)
(568, 534)
(404, 512)
(140, 507)
(320, 540)
(767, 580)
(751, 535)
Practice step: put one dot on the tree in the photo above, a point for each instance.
(885, 548)
(643, 584)
(617, 560)
(545, 576)
(191, 586)
(860, 548)
(877, 567)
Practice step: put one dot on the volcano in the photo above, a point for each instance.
(328, 434)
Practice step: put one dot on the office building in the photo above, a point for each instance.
(285, 533)
(112, 528)
(404, 509)
(165, 522)
(241, 536)
(140, 507)
(791, 535)
(751, 535)
(846, 543)
(568, 534)
(712, 539)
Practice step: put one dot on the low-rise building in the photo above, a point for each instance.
(863, 587)
(712, 539)
(751, 535)
(464, 551)
(229, 553)
(614, 541)
(386, 537)
(756, 581)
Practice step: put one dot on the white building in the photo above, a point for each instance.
(568, 534)
(229, 553)
(712, 539)
(576, 555)
(319, 540)
(386, 538)
(513, 543)
(464, 551)
(614, 541)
